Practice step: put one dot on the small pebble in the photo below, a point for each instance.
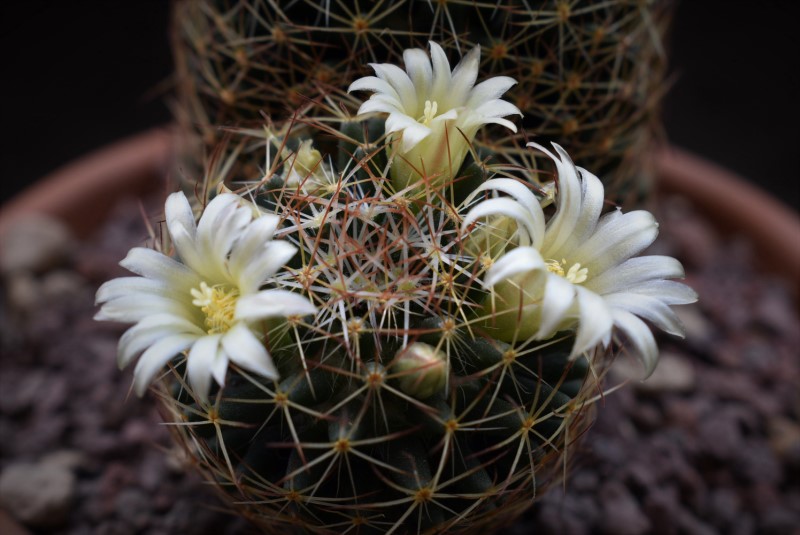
(37, 494)
(34, 244)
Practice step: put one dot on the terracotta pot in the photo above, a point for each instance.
(735, 206)
(82, 193)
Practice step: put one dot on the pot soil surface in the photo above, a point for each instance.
(709, 444)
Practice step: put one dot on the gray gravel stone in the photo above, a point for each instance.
(673, 374)
(39, 495)
(34, 243)
(621, 513)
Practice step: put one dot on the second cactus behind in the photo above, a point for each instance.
(590, 74)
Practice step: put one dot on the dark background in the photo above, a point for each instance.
(79, 74)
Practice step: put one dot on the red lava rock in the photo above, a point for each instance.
(639, 475)
(621, 513)
(723, 507)
(133, 507)
(584, 481)
(647, 417)
(779, 521)
(689, 523)
(720, 436)
(661, 505)
(761, 497)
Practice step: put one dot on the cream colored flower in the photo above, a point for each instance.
(435, 113)
(207, 302)
(579, 270)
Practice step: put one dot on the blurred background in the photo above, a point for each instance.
(78, 75)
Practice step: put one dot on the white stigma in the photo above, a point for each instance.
(430, 112)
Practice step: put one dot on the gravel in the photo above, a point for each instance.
(710, 445)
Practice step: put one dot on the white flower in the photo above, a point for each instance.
(578, 270)
(209, 302)
(434, 112)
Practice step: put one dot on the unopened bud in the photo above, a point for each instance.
(421, 370)
(309, 171)
(491, 240)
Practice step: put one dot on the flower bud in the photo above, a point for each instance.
(421, 370)
(491, 240)
(308, 170)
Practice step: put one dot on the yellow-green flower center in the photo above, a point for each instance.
(429, 112)
(218, 303)
(575, 274)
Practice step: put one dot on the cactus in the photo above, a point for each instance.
(388, 318)
(403, 372)
(590, 74)
(395, 411)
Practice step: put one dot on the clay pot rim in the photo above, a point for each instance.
(735, 206)
(81, 194)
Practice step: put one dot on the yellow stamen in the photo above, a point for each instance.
(218, 303)
(575, 274)
(554, 266)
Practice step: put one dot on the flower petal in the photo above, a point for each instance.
(418, 66)
(399, 80)
(524, 197)
(559, 297)
(638, 334)
(592, 198)
(502, 122)
(649, 308)
(668, 292)
(569, 200)
(199, 364)
(274, 255)
(154, 265)
(380, 105)
(506, 207)
(186, 250)
(123, 286)
(242, 347)
(595, 321)
(412, 135)
(251, 245)
(396, 122)
(130, 308)
(615, 242)
(490, 90)
(441, 74)
(463, 79)
(178, 213)
(270, 303)
(221, 224)
(156, 356)
(373, 83)
(219, 367)
(635, 271)
(149, 331)
(515, 262)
